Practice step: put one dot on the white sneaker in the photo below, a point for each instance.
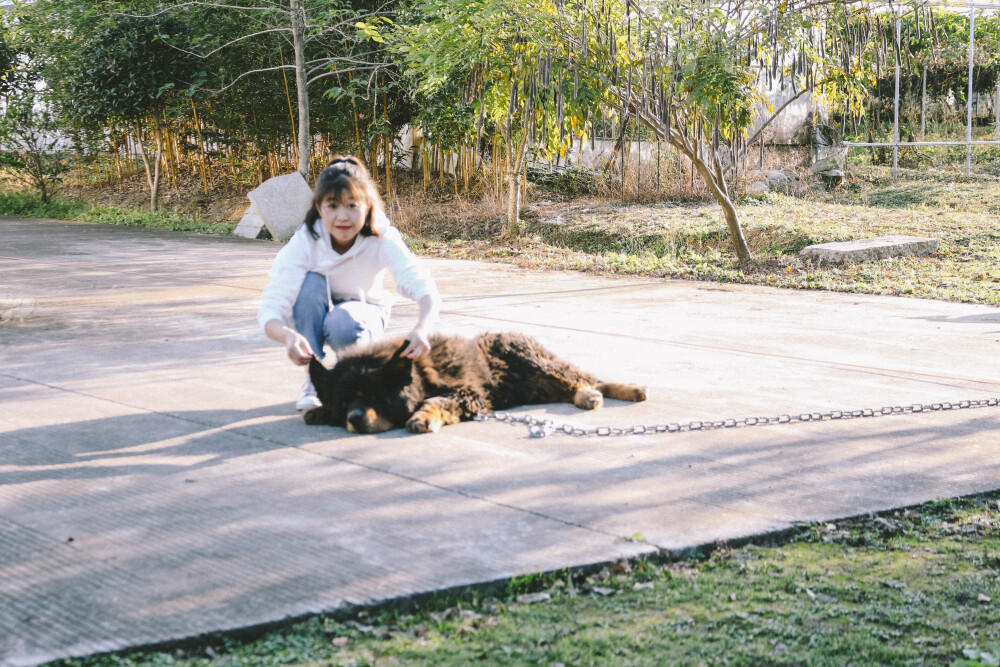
(308, 399)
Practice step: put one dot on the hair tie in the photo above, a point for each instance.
(338, 169)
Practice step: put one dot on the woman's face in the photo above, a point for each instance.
(343, 219)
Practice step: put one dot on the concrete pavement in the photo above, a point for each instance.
(156, 484)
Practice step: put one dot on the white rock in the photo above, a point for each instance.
(282, 203)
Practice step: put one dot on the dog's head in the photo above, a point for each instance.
(370, 391)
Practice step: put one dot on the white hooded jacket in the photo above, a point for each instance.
(357, 274)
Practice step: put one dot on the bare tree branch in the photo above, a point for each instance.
(216, 91)
(326, 63)
(340, 71)
(198, 3)
(227, 44)
(782, 108)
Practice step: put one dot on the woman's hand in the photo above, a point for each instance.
(418, 346)
(299, 350)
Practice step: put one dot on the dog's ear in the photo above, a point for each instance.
(322, 380)
(398, 366)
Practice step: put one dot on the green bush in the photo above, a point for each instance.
(574, 181)
(568, 181)
(29, 204)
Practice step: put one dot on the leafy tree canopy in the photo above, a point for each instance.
(126, 67)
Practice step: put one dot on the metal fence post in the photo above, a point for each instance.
(923, 103)
(968, 101)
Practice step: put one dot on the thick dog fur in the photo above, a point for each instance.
(374, 389)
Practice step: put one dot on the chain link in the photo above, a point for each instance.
(540, 428)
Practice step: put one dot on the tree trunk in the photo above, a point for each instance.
(152, 172)
(301, 86)
(717, 185)
(154, 191)
(512, 227)
(714, 178)
(142, 153)
(38, 174)
(515, 161)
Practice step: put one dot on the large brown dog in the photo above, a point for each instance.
(374, 389)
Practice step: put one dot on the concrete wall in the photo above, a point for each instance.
(792, 126)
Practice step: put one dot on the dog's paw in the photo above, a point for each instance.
(315, 416)
(423, 421)
(638, 394)
(588, 398)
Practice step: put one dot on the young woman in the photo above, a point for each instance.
(326, 283)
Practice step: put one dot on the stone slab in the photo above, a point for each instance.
(873, 249)
(282, 202)
(251, 224)
(156, 484)
(829, 157)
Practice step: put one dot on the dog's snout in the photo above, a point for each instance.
(356, 418)
(363, 418)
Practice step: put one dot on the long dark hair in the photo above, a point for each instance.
(345, 176)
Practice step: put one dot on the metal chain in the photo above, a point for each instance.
(539, 427)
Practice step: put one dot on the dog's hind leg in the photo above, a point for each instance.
(622, 392)
(589, 397)
(433, 414)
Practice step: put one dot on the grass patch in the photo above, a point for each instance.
(153, 220)
(29, 204)
(912, 587)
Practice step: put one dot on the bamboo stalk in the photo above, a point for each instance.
(357, 131)
(424, 164)
(388, 167)
(128, 151)
(168, 145)
(201, 147)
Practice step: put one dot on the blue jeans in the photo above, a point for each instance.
(347, 323)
